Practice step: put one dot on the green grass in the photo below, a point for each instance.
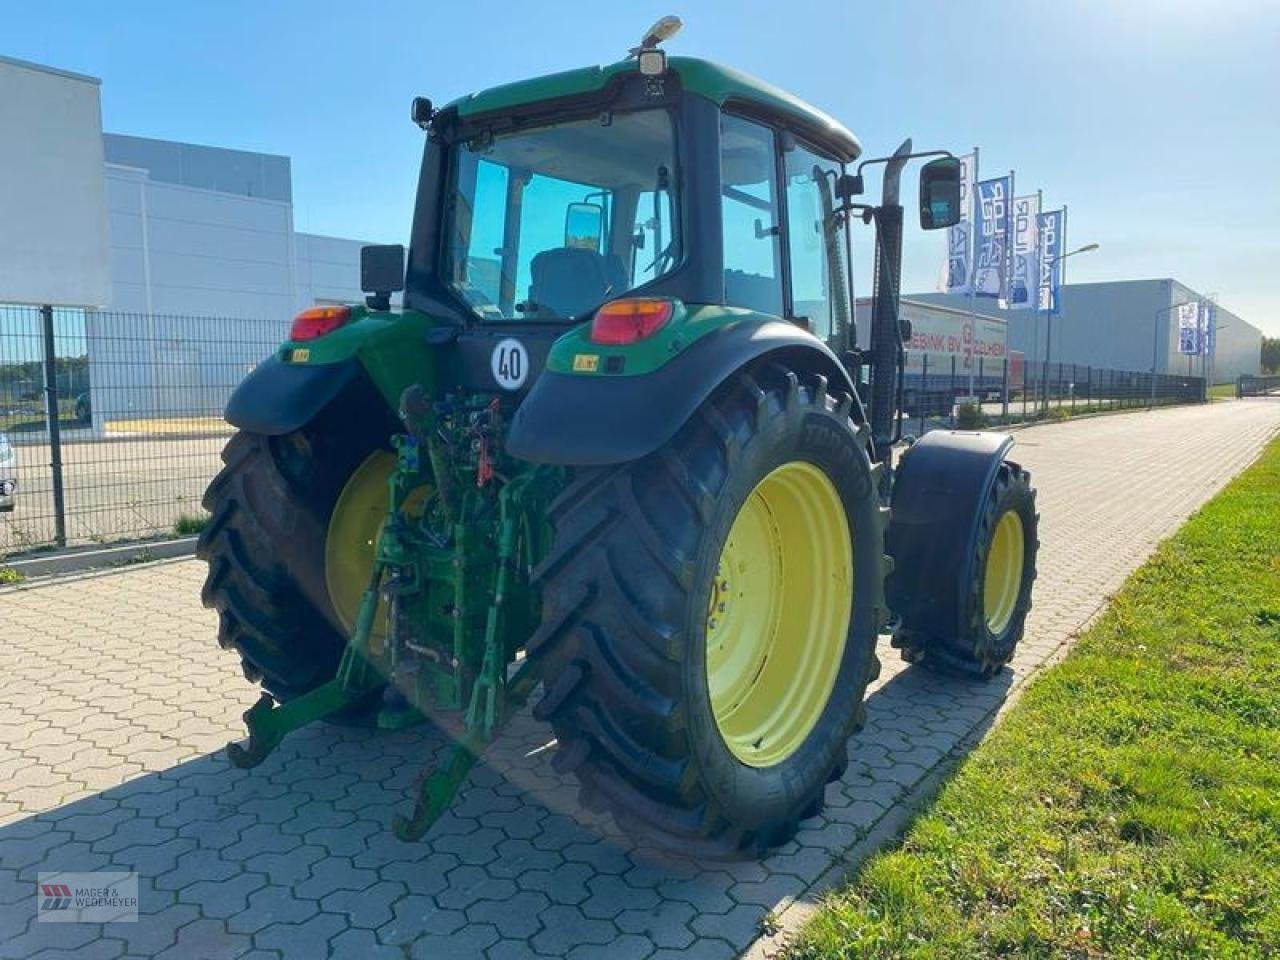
(1222, 391)
(9, 575)
(28, 416)
(1129, 804)
(188, 525)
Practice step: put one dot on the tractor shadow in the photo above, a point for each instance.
(307, 835)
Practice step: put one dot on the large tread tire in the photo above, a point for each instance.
(626, 589)
(976, 651)
(269, 512)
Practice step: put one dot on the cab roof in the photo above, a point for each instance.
(717, 83)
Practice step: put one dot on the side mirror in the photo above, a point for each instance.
(940, 193)
(584, 226)
(381, 273)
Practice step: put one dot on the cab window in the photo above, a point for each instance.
(749, 216)
(815, 242)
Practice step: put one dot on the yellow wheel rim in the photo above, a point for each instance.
(352, 539)
(1002, 581)
(779, 614)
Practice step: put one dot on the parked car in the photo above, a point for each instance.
(8, 473)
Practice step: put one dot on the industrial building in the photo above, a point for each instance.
(197, 236)
(1122, 325)
(178, 261)
(207, 231)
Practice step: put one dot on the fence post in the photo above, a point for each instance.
(51, 422)
(1073, 388)
(923, 393)
(953, 391)
(1004, 389)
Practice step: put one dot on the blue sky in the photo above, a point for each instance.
(1155, 121)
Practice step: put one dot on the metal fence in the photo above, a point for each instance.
(135, 402)
(1248, 386)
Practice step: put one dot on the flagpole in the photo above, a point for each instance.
(975, 208)
(1035, 310)
(1062, 285)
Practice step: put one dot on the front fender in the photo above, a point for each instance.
(600, 420)
(939, 491)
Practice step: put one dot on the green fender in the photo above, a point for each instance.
(599, 420)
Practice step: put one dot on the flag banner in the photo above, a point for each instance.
(1206, 327)
(1026, 249)
(1189, 328)
(990, 278)
(960, 235)
(1049, 233)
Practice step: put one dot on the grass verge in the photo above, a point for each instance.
(1129, 804)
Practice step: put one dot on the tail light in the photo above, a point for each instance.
(627, 321)
(317, 321)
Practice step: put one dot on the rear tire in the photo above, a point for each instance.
(626, 595)
(993, 625)
(265, 545)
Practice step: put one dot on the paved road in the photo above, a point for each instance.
(115, 489)
(114, 702)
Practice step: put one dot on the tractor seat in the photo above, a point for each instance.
(569, 281)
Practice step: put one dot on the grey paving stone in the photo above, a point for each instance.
(626, 947)
(466, 944)
(119, 762)
(206, 938)
(468, 884)
(666, 925)
(334, 873)
(362, 945)
(563, 928)
(290, 867)
(301, 941)
(414, 917)
(517, 917)
(369, 908)
(739, 926)
(564, 885)
(155, 932)
(269, 906)
(223, 898)
(610, 895)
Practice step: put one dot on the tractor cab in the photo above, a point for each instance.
(543, 200)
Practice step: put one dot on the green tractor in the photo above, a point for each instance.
(619, 443)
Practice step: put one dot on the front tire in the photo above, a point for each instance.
(683, 725)
(997, 597)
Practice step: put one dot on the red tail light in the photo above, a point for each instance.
(626, 321)
(317, 321)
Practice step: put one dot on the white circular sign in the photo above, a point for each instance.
(510, 364)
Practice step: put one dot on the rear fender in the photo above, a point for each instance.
(939, 491)
(376, 351)
(278, 397)
(600, 420)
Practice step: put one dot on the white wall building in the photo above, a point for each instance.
(206, 274)
(206, 231)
